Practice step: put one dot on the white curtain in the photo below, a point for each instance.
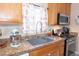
(33, 14)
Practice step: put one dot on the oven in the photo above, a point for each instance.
(70, 46)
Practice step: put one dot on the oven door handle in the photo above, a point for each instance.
(69, 43)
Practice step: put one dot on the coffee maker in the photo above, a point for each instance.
(65, 31)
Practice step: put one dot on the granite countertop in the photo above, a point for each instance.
(74, 33)
(25, 47)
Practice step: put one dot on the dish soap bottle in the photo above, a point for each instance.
(49, 31)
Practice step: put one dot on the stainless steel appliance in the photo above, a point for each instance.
(65, 32)
(15, 38)
(70, 42)
(62, 19)
(62, 32)
(70, 45)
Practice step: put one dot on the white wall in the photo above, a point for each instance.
(75, 27)
(36, 14)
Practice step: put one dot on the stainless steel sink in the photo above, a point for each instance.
(48, 39)
(40, 40)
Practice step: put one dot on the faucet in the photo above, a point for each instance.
(37, 26)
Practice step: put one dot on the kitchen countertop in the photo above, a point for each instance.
(25, 47)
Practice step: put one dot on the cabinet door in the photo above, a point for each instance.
(11, 13)
(39, 52)
(52, 13)
(68, 9)
(61, 51)
(61, 48)
(55, 52)
(62, 8)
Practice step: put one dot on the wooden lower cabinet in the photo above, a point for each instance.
(56, 49)
(61, 53)
(61, 48)
(55, 52)
(43, 50)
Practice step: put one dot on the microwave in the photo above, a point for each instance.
(62, 19)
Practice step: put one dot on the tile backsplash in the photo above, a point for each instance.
(6, 29)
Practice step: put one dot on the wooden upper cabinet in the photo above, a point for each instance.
(54, 9)
(52, 13)
(11, 13)
(68, 9)
(64, 8)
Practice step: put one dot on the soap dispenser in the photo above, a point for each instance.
(49, 31)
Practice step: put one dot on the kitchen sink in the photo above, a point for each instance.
(40, 40)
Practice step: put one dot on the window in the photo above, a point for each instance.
(32, 15)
